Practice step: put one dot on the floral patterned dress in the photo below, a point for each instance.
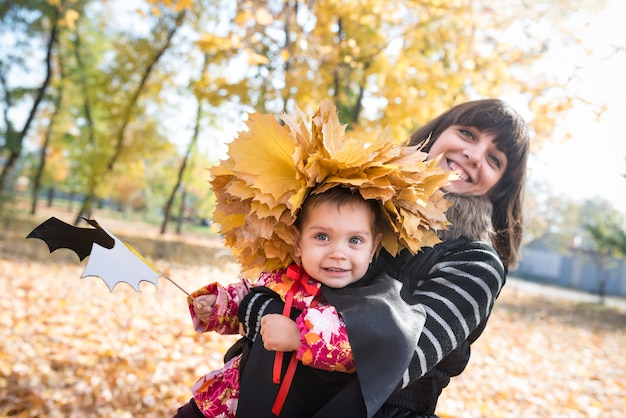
(323, 336)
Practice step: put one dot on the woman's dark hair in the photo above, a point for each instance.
(510, 132)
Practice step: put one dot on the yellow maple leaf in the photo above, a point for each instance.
(265, 153)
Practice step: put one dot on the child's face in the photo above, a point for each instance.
(474, 155)
(335, 245)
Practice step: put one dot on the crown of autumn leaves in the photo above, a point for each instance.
(271, 168)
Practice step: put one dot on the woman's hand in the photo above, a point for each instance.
(279, 333)
(203, 306)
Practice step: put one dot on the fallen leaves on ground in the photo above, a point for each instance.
(71, 348)
(543, 357)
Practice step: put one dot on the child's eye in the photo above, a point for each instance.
(355, 240)
(321, 237)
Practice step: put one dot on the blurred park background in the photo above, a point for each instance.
(115, 109)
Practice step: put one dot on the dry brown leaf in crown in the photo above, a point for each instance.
(271, 168)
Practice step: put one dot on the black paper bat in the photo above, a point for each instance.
(58, 234)
(111, 259)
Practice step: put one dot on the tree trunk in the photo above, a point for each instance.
(181, 212)
(44, 148)
(181, 169)
(16, 149)
(87, 207)
(183, 165)
(7, 169)
(50, 197)
(602, 283)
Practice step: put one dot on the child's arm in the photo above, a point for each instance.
(203, 306)
(215, 307)
(279, 333)
(324, 340)
(318, 335)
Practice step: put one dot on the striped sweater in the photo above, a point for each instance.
(458, 295)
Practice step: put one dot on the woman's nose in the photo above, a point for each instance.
(473, 155)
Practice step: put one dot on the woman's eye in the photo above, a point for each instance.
(495, 161)
(467, 134)
(355, 240)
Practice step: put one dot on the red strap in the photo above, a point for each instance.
(278, 362)
(284, 388)
(300, 278)
(278, 358)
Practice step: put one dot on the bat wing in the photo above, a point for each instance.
(120, 263)
(58, 234)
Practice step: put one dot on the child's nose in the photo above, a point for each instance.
(338, 251)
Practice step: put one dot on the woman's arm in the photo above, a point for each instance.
(458, 295)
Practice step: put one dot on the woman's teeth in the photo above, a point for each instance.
(454, 167)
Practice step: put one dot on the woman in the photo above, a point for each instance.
(456, 281)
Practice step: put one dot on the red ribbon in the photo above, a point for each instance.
(300, 280)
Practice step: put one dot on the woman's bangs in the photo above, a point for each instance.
(505, 128)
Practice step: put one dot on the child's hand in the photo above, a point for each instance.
(279, 333)
(203, 306)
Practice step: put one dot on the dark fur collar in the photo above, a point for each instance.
(470, 217)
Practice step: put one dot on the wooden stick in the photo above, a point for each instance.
(176, 284)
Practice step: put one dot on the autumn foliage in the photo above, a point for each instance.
(272, 168)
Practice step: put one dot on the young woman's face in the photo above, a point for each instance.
(335, 245)
(473, 155)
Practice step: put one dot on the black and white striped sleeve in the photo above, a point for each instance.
(458, 296)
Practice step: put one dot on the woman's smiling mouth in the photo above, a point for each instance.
(462, 174)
